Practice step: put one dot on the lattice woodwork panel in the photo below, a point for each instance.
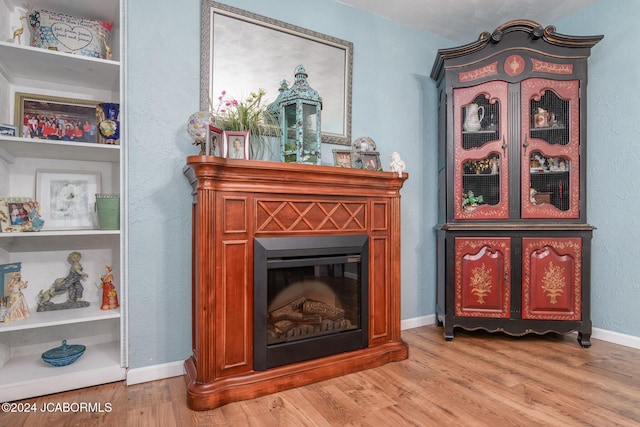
(274, 216)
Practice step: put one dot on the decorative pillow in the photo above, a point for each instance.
(50, 30)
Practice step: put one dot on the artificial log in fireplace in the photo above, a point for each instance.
(296, 276)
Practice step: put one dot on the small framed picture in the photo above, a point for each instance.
(7, 272)
(8, 130)
(215, 141)
(67, 198)
(343, 158)
(370, 160)
(19, 214)
(55, 118)
(236, 144)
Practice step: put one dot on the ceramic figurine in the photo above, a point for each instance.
(109, 295)
(397, 164)
(71, 284)
(16, 305)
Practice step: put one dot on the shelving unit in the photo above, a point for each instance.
(43, 254)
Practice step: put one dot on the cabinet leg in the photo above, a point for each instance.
(448, 333)
(439, 322)
(584, 339)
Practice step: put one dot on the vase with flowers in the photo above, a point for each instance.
(250, 114)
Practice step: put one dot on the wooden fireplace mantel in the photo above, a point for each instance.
(235, 201)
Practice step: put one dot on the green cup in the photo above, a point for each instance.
(108, 211)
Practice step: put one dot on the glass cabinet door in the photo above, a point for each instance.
(480, 152)
(550, 148)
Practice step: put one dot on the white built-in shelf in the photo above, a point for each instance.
(100, 364)
(12, 147)
(33, 63)
(44, 319)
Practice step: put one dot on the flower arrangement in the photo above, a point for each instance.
(250, 114)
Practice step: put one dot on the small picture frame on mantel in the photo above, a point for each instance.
(236, 144)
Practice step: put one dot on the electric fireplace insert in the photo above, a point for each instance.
(310, 297)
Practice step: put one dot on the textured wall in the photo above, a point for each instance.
(614, 160)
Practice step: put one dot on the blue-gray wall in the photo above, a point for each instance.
(394, 103)
(614, 161)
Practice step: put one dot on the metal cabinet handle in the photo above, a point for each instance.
(525, 145)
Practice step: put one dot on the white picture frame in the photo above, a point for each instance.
(67, 198)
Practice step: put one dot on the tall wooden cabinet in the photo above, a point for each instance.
(43, 254)
(513, 240)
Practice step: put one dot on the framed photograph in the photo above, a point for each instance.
(343, 158)
(6, 273)
(67, 198)
(8, 130)
(370, 160)
(54, 118)
(215, 141)
(236, 144)
(19, 214)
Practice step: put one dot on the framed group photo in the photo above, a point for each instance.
(18, 214)
(236, 144)
(67, 198)
(56, 118)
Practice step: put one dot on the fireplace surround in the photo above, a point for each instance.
(341, 226)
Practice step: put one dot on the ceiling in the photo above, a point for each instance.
(464, 20)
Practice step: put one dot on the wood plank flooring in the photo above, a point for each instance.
(478, 379)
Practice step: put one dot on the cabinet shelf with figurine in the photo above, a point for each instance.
(81, 302)
(513, 240)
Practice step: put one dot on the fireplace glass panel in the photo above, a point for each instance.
(310, 298)
(313, 300)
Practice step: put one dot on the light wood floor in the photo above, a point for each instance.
(478, 379)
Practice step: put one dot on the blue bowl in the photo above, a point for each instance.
(63, 355)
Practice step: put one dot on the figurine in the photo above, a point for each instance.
(109, 295)
(18, 33)
(397, 164)
(71, 283)
(16, 305)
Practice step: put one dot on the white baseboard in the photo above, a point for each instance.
(416, 322)
(155, 372)
(175, 369)
(616, 338)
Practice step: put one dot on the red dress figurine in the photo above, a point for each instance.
(109, 295)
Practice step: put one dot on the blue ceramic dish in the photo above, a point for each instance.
(63, 355)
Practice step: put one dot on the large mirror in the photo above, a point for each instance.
(242, 52)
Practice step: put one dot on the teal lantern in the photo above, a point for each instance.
(299, 117)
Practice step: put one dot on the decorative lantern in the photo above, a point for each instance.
(299, 116)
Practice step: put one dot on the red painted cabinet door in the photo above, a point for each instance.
(480, 124)
(550, 172)
(482, 275)
(551, 278)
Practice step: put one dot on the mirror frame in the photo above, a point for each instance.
(207, 66)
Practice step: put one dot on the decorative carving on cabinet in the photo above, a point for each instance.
(551, 287)
(482, 277)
